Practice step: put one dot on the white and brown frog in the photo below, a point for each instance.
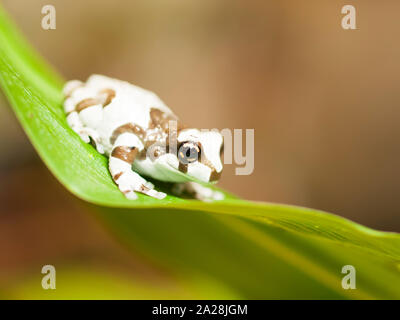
(142, 136)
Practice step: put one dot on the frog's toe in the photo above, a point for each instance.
(198, 191)
(149, 185)
(151, 192)
(130, 194)
(158, 195)
(217, 195)
(84, 136)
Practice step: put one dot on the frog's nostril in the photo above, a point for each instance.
(214, 176)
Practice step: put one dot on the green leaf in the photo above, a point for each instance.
(256, 250)
(267, 251)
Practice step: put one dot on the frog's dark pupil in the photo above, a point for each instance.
(188, 152)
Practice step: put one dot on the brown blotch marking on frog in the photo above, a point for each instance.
(124, 153)
(142, 155)
(153, 153)
(116, 176)
(156, 117)
(157, 153)
(128, 127)
(183, 167)
(214, 176)
(160, 119)
(200, 154)
(110, 96)
(143, 188)
(85, 103)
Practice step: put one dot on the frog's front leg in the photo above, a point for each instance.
(122, 156)
(197, 191)
(75, 123)
(84, 132)
(83, 112)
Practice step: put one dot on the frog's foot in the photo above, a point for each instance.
(93, 137)
(75, 123)
(197, 191)
(84, 108)
(80, 96)
(130, 182)
(86, 134)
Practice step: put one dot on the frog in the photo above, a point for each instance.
(143, 138)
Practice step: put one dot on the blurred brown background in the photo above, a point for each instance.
(324, 103)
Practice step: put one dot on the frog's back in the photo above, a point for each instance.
(130, 104)
(104, 105)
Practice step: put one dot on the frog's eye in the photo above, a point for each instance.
(188, 152)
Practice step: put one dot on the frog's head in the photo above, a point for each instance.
(198, 155)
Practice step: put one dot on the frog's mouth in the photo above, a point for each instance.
(188, 177)
(179, 172)
(185, 176)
